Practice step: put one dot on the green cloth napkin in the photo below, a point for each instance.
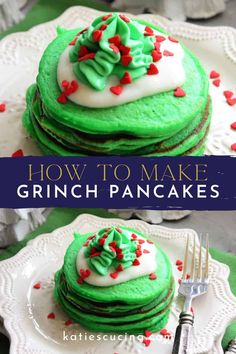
(60, 217)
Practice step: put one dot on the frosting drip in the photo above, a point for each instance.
(108, 47)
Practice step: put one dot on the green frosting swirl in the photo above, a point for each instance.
(94, 72)
(107, 256)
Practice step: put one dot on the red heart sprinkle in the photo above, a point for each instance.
(87, 273)
(80, 280)
(124, 50)
(114, 48)
(216, 82)
(103, 27)
(152, 70)
(62, 98)
(120, 256)
(152, 276)
(114, 275)
(97, 35)
(231, 101)
(126, 59)
(228, 94)
(136, 262)
(179, 262)
(179, 92)
(167, 53)
(214, 74)
(65, 83)
(173, 39)
(112, 244)
(106, 17)
(233, 147)
(68, 323)
(118, 250)
(180, 268)
(117, 90)
(160, 39)
(115, 40)
(146, 251)
(73, 41)
(17, 153)
(156, 56)
(164, 332)
(148, 31)
(147, 342)
(51, 315)
(147, 333)
(120, 268)
(83, 51)
(141, 241)
(102, 241)
(134, 237)
(126, 79)
(87, 56)
(82, 272)
(2, 107)
(124, 18)
(233, 126)
(138, 253)
(149, 241)
(37, 286)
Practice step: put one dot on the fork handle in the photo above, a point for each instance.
(183, 343)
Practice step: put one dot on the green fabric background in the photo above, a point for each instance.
(46, 10)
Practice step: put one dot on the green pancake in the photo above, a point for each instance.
(128, 307)
(157, 125)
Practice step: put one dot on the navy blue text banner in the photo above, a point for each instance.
(194, 183)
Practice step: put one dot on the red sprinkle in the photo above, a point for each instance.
(37, 286)
(65, 84)
(188, 276)
(164, 332)
(136, 262)
(138, 253)
(62, 98)
(114, 275)
(152, 70)
(118, 230)
(160, 39)
(2, 107)
(152, 276)
(124, 18)
(101, 241)
(83, 51)
(228, 94)
(51, 315)
(179, 262)
(149, 241)
(140, 241)
(80, 280)
(120, 256)
(124, 50)
(68, 323)
(231, 101)
(233, 147)
(126, 59)
(97, 35)
(233, 126)
(148, 31)
(179, 92)
(167, 53)
(115, 40)
(17, 153)
(114, 48)
(117, 90)
(118, 250)
(214, 74)
(106, 17)
(93, 250)
(73, 41)
(180, 268)
(112, 244)
(126, 79)
(147, 333)
(120, 268)
(103, 27)
(146, 251)
(71, 88)
(134, 237)
(173, 39)
(86, 244)
(156, 56)
(216, 82)
(96, 254)
(147, 342)
(87, 56)
(157, 46)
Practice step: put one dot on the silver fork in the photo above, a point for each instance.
(191, 286)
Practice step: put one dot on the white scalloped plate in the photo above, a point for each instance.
(25, 309)
(20, 54)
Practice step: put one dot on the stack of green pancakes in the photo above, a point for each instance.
(155, 125)
(132, 306)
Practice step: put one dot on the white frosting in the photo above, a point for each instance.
(171, 75)
(147, 266)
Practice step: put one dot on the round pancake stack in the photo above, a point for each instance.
(132, 306)
(169, 123)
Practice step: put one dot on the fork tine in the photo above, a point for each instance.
(192, 274)
(207, 258)
(185, 260)
(199, 272)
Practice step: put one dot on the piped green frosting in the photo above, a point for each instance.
(102, 251)
(107, 60)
